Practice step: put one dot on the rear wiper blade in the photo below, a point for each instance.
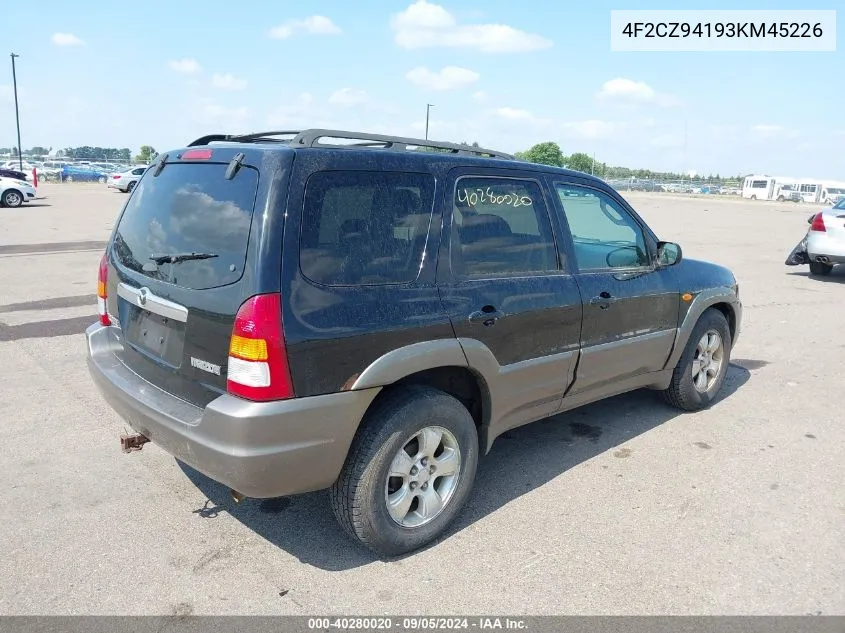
(175, 258)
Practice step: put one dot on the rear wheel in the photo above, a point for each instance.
(409, 471)
(130, 186)
(820, 268)
(753, 197)
(701, 370)
(12, 198)
(101, 180)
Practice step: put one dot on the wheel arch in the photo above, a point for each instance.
(724, 300)
(441, 364)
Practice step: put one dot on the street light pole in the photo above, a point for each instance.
(17, 114)
(428, 107)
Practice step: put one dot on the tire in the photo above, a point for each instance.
(101, 180)
(781, 198)
(820, 268)
(12, 198)
(130, 186)
(753, 197)
(69, 179)
(359, 497)
(683, 392)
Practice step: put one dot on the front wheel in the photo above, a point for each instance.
(409, 471)
(12, 198)
(820, 268)
(702, 368)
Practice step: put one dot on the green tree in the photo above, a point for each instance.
(579, 161)
(147, 154)
(38, 151)
(124, 154)
(547, 153)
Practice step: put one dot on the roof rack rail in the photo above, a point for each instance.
(245, 138)
(311, 138)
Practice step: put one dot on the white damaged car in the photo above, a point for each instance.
(13, 193)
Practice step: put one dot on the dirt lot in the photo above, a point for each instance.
(623, 507)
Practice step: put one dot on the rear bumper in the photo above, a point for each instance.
(821, 244)
(259, 449)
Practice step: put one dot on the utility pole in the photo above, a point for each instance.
(17, 114)
(428, 107)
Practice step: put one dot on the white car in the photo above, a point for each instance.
(826, 239)
(13, 193)
(126, 181)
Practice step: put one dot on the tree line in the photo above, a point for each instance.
(86, 152)
(550, 153)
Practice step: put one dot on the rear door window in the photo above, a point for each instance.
(365, 227)
(189, 209)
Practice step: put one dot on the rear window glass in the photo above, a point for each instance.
(365, 228)
(189, 208)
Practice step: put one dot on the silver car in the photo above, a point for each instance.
(826, 239)
(126, 181)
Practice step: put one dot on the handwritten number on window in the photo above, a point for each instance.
(487, 196)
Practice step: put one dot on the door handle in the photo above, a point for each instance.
(488, 315)
(603, 300)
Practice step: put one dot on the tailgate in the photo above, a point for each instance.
(176, 275)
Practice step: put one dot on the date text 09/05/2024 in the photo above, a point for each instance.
(421, 623)
(723, 29)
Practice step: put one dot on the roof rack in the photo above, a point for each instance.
(311, 138)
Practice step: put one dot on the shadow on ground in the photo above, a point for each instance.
(519, 462)
(836, 276)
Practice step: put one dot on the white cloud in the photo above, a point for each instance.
(348, 97)
(66, 39)
(426, 25)
(667, 141)
(232, 119)
(186, 66)
(313, 25)
(592, 129)
(621, 91)
(447, 78)
(228, 82)
(767, 130)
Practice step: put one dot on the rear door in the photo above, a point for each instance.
(181, 265)
(506, 290)
(631, 306)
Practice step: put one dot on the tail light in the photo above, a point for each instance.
(818, 223)
(103, 290)
(258, 361)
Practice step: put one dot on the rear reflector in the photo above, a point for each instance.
(258, 363)
(102, 290)
(197, 154)
(818, 224)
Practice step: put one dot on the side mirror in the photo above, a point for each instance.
(625, 257)
(669, 253)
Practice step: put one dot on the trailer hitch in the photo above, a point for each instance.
(130, 443)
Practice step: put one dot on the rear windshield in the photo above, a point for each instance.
(189, 208)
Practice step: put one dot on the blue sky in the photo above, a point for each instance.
(504, 73)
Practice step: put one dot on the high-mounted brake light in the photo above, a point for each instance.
(818, 223)
(258, 361)
(197, 154)
(102, 290)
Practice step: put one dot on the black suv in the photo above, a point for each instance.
(294, 311)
